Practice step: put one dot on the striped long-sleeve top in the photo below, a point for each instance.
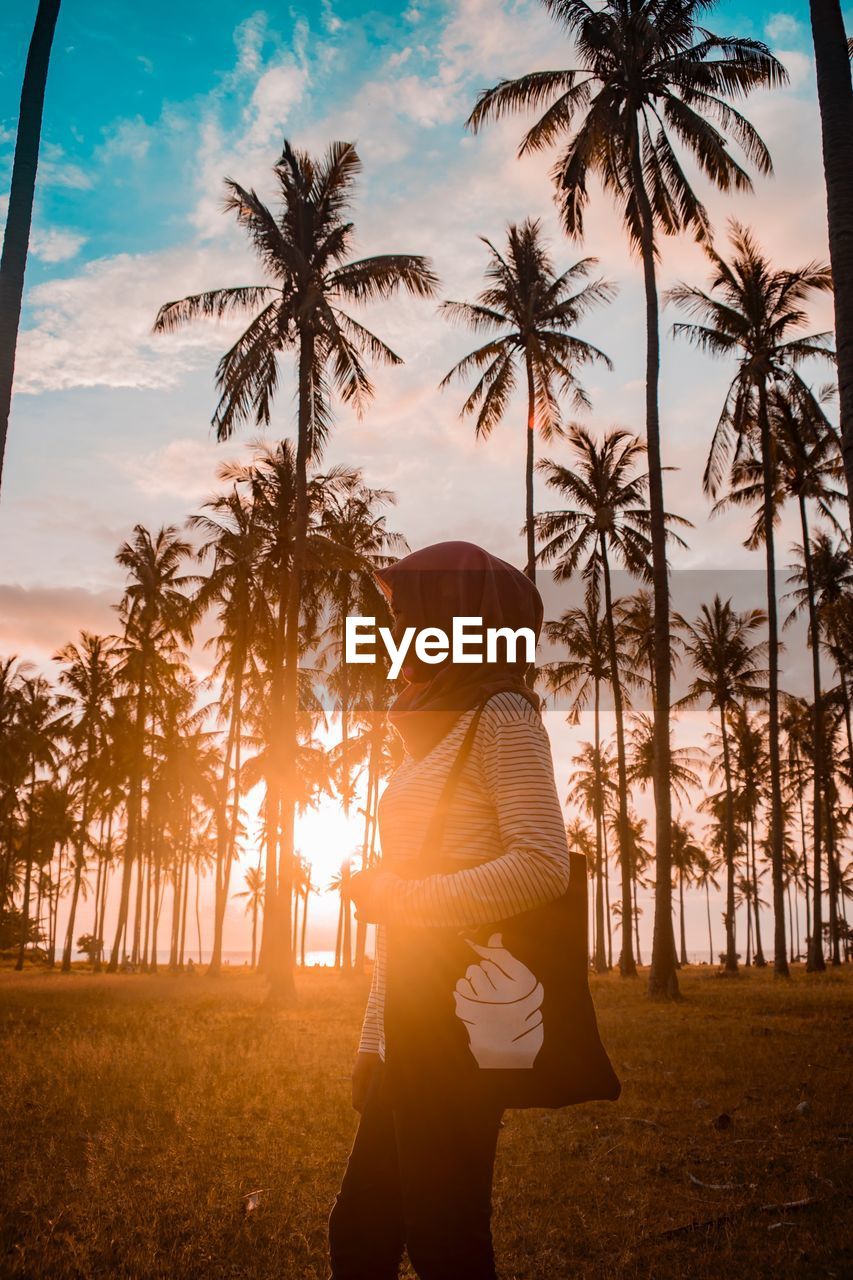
(504, 827)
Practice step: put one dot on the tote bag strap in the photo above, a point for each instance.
(434, 837)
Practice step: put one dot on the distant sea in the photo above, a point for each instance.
(326, 959)
(313, 959)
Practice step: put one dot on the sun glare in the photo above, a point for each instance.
(325, 837)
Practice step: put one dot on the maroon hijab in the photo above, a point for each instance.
(428, 589)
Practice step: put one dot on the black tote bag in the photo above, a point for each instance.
(501, 1013)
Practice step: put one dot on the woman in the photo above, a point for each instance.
(420, 1172)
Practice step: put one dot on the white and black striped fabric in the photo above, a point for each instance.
(504, 828)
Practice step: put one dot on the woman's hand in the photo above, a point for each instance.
(362, 1074)
(370, 891)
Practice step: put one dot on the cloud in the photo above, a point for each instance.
(183, 469)
(126, 139)
(56, 171)
(249, 38)
(36, 621)
(276, 94)
(331, 21)
(783, 26)
(55, 245)
(94, 329)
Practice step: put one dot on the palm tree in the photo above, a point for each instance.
(304, 887)
(530, 314)
(19, 216)
(822, 581)
(797, 722)
(267, 487)
(755, 313)
(87, 674)
(607, 518)
(359, 541)
(686, 857)
(579, 672)
(592, 786)
(639, 855)
(13, 774)
(233, 540)
(254, 895)
(832, 564)
(835, 95)
(704, 872)
(727, 673)
(38, 728)
(685, 761)
(646, 70)
(749, 766)
(808, 464)
(305, 252)
(371, 748)
(155, 612)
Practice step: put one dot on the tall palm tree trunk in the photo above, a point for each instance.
(271, 820)
(149, 884)
(281, 968)
(16, 239)
(79, 853)
(832, 886)
(346, 870)
(361, 926)
(133, 821)
(729, 821)
(759, 949)
(223, 826)
(663, 980)
(608, 914)
(182, 941)
(848, 717)
(155, 914)
(224, 863)
(99, 881)
(815, 960)
(177, 883)
(598, 803)
(198, 911)
(683, 935)
(304, 932)
(803, 841)
(636, 921)
(710, 932)
(346, 908)
(627, 965)
(28, 875)
(748, 904)
(835, 95)
(99, 920)
(530, 569)
(68, 948)
(777, 827)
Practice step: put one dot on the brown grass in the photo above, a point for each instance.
(136, 1113)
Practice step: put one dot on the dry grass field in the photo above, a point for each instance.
(137, 1114)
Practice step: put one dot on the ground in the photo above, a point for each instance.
(138, 1114)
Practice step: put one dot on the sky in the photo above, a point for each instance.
(150, 106)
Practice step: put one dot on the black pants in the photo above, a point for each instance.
(419, 1176)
